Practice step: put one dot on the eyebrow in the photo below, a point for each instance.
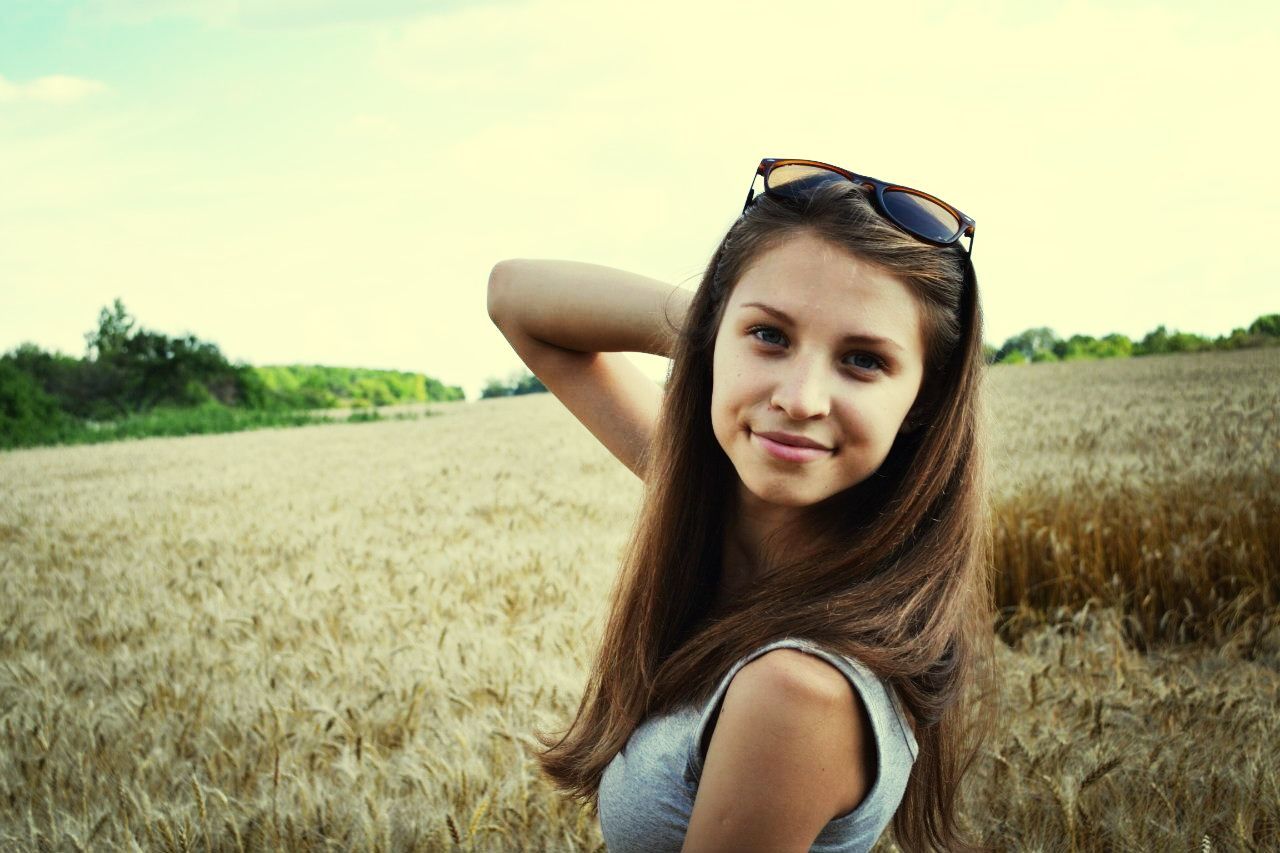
(860, 339)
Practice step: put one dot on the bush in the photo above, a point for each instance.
(517, 383)
(28, 416)
(1161, 340)
(209, 417)
(318, 387)
(1267, 324)
(1033, 344)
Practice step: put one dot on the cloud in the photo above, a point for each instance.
(51, 89)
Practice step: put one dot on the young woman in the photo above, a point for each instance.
(800, 634)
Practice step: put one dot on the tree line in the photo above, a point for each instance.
(128, 371)
(1041, 344)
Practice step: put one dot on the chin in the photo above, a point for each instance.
(784, 497)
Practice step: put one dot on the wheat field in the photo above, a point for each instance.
(340, 637)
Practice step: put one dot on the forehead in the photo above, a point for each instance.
(823, 287)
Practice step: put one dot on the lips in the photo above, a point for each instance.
(793, 440)
(788, 452)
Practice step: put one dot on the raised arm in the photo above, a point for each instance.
(570, 321)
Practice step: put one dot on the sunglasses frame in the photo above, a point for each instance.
(768, 164)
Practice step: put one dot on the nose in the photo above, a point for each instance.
(801, 390)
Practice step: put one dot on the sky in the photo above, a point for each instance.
(330, 182)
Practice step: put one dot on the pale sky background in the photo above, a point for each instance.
(330, 182)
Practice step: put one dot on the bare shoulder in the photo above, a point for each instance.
(791, 750)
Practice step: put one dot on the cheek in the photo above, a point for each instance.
(722, 392)
(871, 421)
(722, 415)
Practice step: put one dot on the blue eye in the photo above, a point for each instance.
(756, 330)
(875, 363)
(870, 360)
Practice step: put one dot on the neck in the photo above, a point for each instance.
(743, 560)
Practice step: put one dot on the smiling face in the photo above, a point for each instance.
(814, 344)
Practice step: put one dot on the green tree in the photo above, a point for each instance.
(1154, 342)
(1115, 345)
(494, 387)
(1161, 340)
(1079, 347)
(1031, 342)
(128, 370)
(1075, 347)
(112, 333)
(1267, 324)
(528, 384)
(374, 390)
(316, 386)
(517, 383)
(28, 415)
(69, 381)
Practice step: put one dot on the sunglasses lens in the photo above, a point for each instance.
(795, 180)
(922, 216)
(914, 213)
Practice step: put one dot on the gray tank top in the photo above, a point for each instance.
(648, 789)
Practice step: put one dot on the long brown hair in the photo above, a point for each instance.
(892, 571)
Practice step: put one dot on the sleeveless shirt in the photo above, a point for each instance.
(648, 789)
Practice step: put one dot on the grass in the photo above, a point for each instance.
(341, 637)
(203, 420)
(1149, 486)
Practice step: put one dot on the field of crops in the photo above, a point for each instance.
(340, 637)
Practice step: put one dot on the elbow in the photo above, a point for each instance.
(499, 285)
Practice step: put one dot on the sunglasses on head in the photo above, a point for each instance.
(919, 214)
